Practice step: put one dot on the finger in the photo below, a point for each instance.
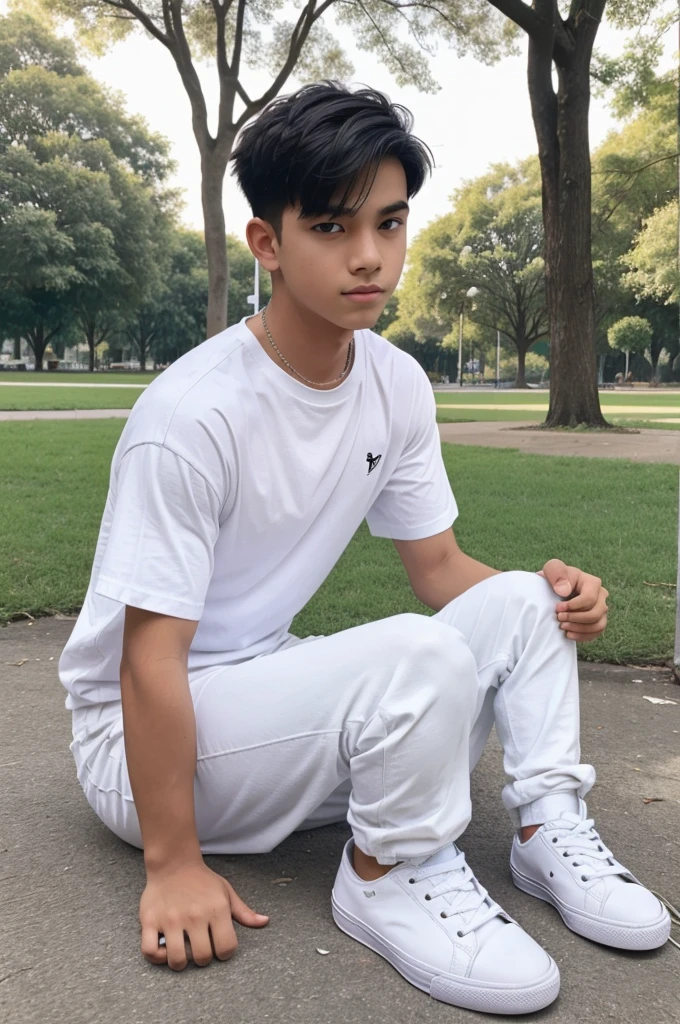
(223, 936)
(594, 615)
(583, 638)
(200, 944)
(242, 913)
(584, 601)
(559, 577)
(174, 943)
(151, 950)
(584, 633)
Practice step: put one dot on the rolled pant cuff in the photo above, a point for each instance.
(547, 808)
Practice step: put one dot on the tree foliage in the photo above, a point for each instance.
(78, 213)
(630, 334)
(492, 241)
(653, 257)
(239, 34)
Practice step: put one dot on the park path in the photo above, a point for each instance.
(644, 446)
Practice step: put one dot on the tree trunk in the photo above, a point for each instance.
(89, 334)
(38, 343)
(17, 347)
(521, 380)
(561, 123)
(213, 167)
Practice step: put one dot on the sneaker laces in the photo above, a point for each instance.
(582, 842)
(459, 888)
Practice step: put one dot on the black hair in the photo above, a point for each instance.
(306, 146)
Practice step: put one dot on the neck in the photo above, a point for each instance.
(316, 348)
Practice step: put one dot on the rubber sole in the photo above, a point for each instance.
(607, 933)
(448, 988)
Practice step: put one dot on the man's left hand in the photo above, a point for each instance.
(582, 613)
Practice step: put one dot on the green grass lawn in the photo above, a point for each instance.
(614, 518)
(464, 415)
(662, 397)
(18, 399)
(80, 396)
(82, 377)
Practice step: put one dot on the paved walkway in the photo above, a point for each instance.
(65, 414)
(69, 889)
(645, 446)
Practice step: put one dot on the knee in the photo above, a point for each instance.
(440, 656)
(529, 587)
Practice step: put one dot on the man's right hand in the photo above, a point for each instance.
(193, 899)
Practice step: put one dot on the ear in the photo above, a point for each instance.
(261, 239)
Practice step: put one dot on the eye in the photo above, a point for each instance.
(326, 224)
(392, 220)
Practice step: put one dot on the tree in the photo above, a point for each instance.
(630, 334)
(492, 241)
(76, 211)
(653, 258)
(53, 228)
(230, 33)
(44, 89)
(561, 122)
(634, 174)
(172, 320)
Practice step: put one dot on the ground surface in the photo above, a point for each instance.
(69, 946)
(645, 446)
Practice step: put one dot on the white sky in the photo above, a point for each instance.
(480, 116)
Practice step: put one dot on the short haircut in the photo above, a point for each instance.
(315, 147)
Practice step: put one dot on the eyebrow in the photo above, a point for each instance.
(345, 211)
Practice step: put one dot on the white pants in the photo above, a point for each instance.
(380, 725)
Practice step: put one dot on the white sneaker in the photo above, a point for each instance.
(441, 930)
(567, 864)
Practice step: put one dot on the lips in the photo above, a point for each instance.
(371, 289)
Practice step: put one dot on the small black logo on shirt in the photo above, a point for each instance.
(372, 461)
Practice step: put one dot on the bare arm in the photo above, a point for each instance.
(438, 570)
(160, 733)
(183, 897)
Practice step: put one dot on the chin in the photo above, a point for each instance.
(364, 319)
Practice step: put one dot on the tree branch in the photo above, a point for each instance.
(297, 40)
(172, 13)
(522, 15)
(238, 38)
(142, 17)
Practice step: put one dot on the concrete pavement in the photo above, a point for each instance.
(642, 446)
(69, 946)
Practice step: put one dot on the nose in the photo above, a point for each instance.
(365, 255)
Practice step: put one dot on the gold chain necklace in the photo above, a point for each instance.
(318, 384)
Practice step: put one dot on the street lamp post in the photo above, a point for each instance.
(460, 346)
(254, 299)
(468, 295)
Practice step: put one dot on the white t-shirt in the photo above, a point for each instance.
(234, 490)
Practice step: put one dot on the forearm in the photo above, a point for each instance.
(160, 746)
(451, 579)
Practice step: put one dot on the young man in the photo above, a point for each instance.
(202, 726)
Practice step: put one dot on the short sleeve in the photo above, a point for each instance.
(417, 500)
(159, 552)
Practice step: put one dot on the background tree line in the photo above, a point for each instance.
(91, 245)
(493, 240)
